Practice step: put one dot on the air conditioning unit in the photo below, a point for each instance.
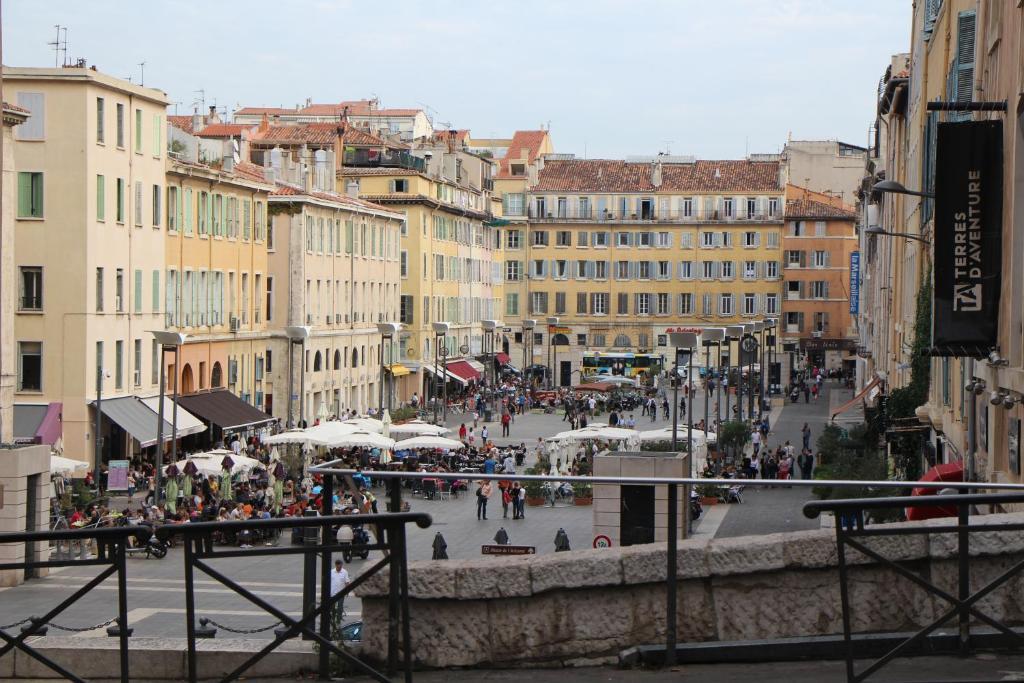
(234, 324)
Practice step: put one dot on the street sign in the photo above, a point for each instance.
(602, 541)
(508, 550)
(464, 349)
(749, 343)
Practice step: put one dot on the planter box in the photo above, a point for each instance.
(708, 500)
(535, 502)
(588, 500)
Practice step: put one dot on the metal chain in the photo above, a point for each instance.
(75, 629)
(206, 620)
(4, 627)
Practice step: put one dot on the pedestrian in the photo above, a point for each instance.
(489, 464)
(806, 432)
(613, 419)
(756, 436)
(339, 580)
(664, 406)
(522, 502)
(514, 499)
(471, 439)
(484, 434)
(806, 464)
(506, 420)
(506, 498)
(807, 394)
(508, 466)
(462, 432)
(483, 492)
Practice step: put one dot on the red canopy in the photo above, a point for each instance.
(595, 386)
(463, 370)
(950, 471)
(502, 358)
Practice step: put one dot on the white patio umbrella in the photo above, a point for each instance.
(204, 466)
(616, 379)
(365, 424)
(429, 442)
(363, 440)
(385, 423)
(417, 428)
(290, 436)
(66, 466)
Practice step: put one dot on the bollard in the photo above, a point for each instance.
(440, 547)
(501, 538)
(561, 541)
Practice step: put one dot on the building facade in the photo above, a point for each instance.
(623, 253)
(11, 288)
(90, 246)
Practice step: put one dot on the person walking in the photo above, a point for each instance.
(514, 499)
(522, 502)
(506, 421)
(806, 432)
(806, 464)
(339, 579)
(483, 493)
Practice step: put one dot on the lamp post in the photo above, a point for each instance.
(759, 328)
(489, 327)
(296, 335)
(99, 416)
(709, 337)
(173, 340)
(387, 335)
(441, 367)
(688, 341)
(878, 230)
(741, 348)
(552, 326)
(894, 187)
(770, 324)
(733, 333)
(528, 327)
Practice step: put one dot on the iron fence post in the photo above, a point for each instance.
(403, 567)
(326, 509)
(394, 581)
(964, 576)
(670, 587)
(122, 606)
(190, 609)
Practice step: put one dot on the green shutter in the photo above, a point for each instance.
(965, 39)
(24, 195)
(156, 291)
(101, 198)
(156, 135)
(138, 130)
(137, 304)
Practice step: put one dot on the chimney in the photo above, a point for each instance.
(352, 188)
(213, 118)
(264, 123)
(197, 121)
(656, 174)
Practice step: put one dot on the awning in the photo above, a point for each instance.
(187, 422)
(398, 370)
(476, 365)
(856, 399)
(450, 376)
(27, 418)
(463, 369)
(502, 358)
(224, 409)
(134, 417)
(51, 429)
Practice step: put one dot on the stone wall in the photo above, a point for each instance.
(586, 606)
(16, 465)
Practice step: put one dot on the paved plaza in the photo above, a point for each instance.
(155, 587)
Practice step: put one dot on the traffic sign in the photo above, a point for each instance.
(508, 550)
(602, 541)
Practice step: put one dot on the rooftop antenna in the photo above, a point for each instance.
(176, 107)
(668, 146)
(201, 100)
(60, 46)
(142, 73)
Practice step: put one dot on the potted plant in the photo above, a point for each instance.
(708, 494)
(534, 490)
(582, 494)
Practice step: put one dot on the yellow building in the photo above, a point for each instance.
(217, 278)
(625, 252)
(450, 253)
(90, 248)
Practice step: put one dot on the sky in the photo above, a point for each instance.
(610, 78)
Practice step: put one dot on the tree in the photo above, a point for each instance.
(733, 436)
(907, 446)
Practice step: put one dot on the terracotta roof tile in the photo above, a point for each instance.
(809, 208)
(604, 175)
(250, 171)
(342, 199)
(269, 111)
(522, 139)
(224, 130)
(181, 122)
(325, 133)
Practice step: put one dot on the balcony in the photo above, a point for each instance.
(31, 303)
(375, 158)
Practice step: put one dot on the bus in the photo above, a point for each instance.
(643, 367)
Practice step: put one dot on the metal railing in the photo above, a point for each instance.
(850, 528)
(111, 553)
(555, 214)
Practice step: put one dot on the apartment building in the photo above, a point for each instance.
(831, 167)
(10, 287)
(405, 124)
(450, 251)
(625, 252)
(90, 248)
(817, 243)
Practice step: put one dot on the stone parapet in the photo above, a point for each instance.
(587, 606)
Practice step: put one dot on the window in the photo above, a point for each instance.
(403, 264)
(751, 207)
(156, 135)
(686, 270)
(662, 303)
(749, 270)
(541, 207)
(584, 207)
(138, 131)
(581, 340)
(119, 364)
(796, 229)
(563, 238)
(121, 125)
(819, 228)
(599, 306)
(99, 120)
(727, 205)
(99, 290)
(405, 312)
(623, 239)
(137, 364)
(708, 270)
(601, 239)
(664, 270)
(30, 194)
(600, 270)
(399, 185)
(771, 304)
(773, 207)
(559, 303)
(771, 270)
(513, 270)
(726, 240)
(794, 259)
(773, 240)
(540, 238)
(138, 202)
(686, 303)
(820, 259)
(622, 303)
(751, 239)
(156, 292)
(154, 362)
(582, 239)
(820, 322)
(511, 303)
(538, 302)
(687, 207)
(643, 304)
(599, 340)
(727, 271)
(563, 207)
(794, 290)
(30, 366)
(538, 268)
(31, 288)
(513, 204)
(581, 303)
(622, 270)
(662, 239)
(644, 239)
(819, 289)
(157, 211)
(119, 290)
(707, 240)
(35, 127)
(120, 200)
(512, 239)
(173, 209)
(643, 270)
(101, 196)
(137, 296)
(749, 304)
(725, 304)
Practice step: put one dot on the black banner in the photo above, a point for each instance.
(968, 233)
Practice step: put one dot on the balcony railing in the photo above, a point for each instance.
(31, 303)
(373, 158)
(646, 216)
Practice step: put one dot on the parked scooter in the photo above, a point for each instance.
(360, 537)
(153, 547)
(696, 509)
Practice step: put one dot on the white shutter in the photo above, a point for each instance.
(138, 202)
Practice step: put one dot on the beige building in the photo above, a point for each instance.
(10, 287)
(90, 240)
(831, 167)
(406, 125)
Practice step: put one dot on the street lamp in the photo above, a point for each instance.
(100, 374)
(756, 390)
(893, 187)
(174, 340)
(733, 333)
(552, 326)
(489, 327)
(709, 337)
(387, 334)
(770, 325)
(683, 340)
(877, 230)
(296, 335)
(441, 374)
(748, 332)
(528, 327)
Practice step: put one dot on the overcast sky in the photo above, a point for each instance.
(713, 78)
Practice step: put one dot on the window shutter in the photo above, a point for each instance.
(591, 270)
(965, 40)
(156, 291)
(138, 202)
(581, 303)
(825, 289)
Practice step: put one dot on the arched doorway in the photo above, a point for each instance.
(337, 359)
(317, 362)
(216, 376)
(504, 344)
(562, 370)
(188, 382)
(622, 341)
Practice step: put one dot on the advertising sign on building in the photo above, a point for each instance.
(854, 282)
(968, 227)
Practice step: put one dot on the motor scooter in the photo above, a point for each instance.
(152, 547)
(360, 537)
